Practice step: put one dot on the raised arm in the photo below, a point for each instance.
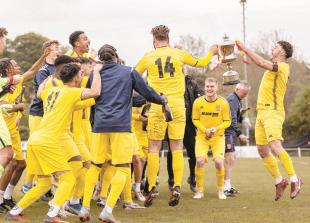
(257, 59)
(37, 65)
(95, 89)
(200, 62)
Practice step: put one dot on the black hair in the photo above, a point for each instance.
(74, 37)
(68, 72)
(64, 59)
(287, 47)
(5, 66)
(107, 53)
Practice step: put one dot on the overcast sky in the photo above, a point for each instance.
(126, 24)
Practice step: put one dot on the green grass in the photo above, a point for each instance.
(255, 204)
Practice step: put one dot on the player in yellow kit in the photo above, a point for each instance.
(211, 116)
(271, 115)
(164, 75)
(45, 156)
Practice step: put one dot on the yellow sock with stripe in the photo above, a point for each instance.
(287, 163)
(220, 173)
(91, 179)
(66, 183)
(117, 185)
(153, 168)
(271, 164)
(106, 180)
(178, 167)
(127, 190)
(78, 190)
(44, 184)
(200, 177)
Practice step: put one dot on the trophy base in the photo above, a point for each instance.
(231, 82)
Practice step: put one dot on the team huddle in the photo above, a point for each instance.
(95, 122)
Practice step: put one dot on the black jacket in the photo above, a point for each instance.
(236, 118)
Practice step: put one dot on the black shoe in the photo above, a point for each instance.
(192, 183)
(3, 209)
(9, 203)
(150, 197)
(232, 192)
(170, 184)
(175, 196)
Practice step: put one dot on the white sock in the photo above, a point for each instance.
(137, 187)
(227, 185)
(53, 211)
(8, 192)
(74, 200)
(278, 180)
(1, 196)
(16, 210)
(294, 179)
(108, 209)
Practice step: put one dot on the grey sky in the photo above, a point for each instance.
(127, 24)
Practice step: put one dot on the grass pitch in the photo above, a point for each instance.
(255, 204)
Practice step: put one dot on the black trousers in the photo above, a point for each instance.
(189, 142)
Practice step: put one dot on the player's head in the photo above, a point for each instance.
(211, 86)
(79, 41)
(108, 53)
(61, 61)
(242, 89)
(160, 35)
(55, 49)
(282, 50)
(86, 65)
(3, 34)
(8, 67)
(71, 74)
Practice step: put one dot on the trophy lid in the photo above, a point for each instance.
(226, 41)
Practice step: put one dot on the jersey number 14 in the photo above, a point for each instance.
(169, 68)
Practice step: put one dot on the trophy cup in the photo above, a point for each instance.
(226, 51)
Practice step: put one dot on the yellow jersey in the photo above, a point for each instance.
(72, 53)
(208, 114)
(164, 68)
(136, 124)
(58, 103)
(272, 88)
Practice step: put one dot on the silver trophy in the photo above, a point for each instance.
(227, 53)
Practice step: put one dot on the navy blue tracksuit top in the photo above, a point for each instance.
(112, 111)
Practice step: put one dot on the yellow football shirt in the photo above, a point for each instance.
(137, 126)
(272, 88)
(72, 53)
(208, 114)
(164, 70)
(59, 105)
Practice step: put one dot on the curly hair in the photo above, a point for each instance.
(107, 53)
(160, 32)
(3, 32)
(287, 47)
(74, 37)
(69, 71)
(5, 66)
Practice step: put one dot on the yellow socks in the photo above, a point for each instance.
(106, 180)
(117, 185)
(200, 177)
(220, 173)
(127, 190)
(153, 168)
(44, 184)
(271, 164)
(78, 190)
(66, 183)
(287, 163)
(91, 179)
(76, 167)
(178, 167)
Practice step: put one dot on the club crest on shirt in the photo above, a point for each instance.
(218, 108)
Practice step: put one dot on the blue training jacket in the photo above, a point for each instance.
(112, 111)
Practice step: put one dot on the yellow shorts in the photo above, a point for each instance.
(34, 122)
(143, 145)
(156, 127)
(16, 144)
(45, 160)
(115, 146)
(68, 146)
(268, 126)
(217, 146)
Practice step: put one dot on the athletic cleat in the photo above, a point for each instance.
(295, 188)
(56, 219)
(20, 218)
(101, 202)
(139, 196)
(129, 206)
(84, 214)
(192, 183)
(107, 219)
(3, 209)
(280, 188)
(198, 195)
(142, 186)
(73, 208)
(10, 203)
(150, 197)
(175, 196)
(25, 188)
(232, 192)
(221, 195)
